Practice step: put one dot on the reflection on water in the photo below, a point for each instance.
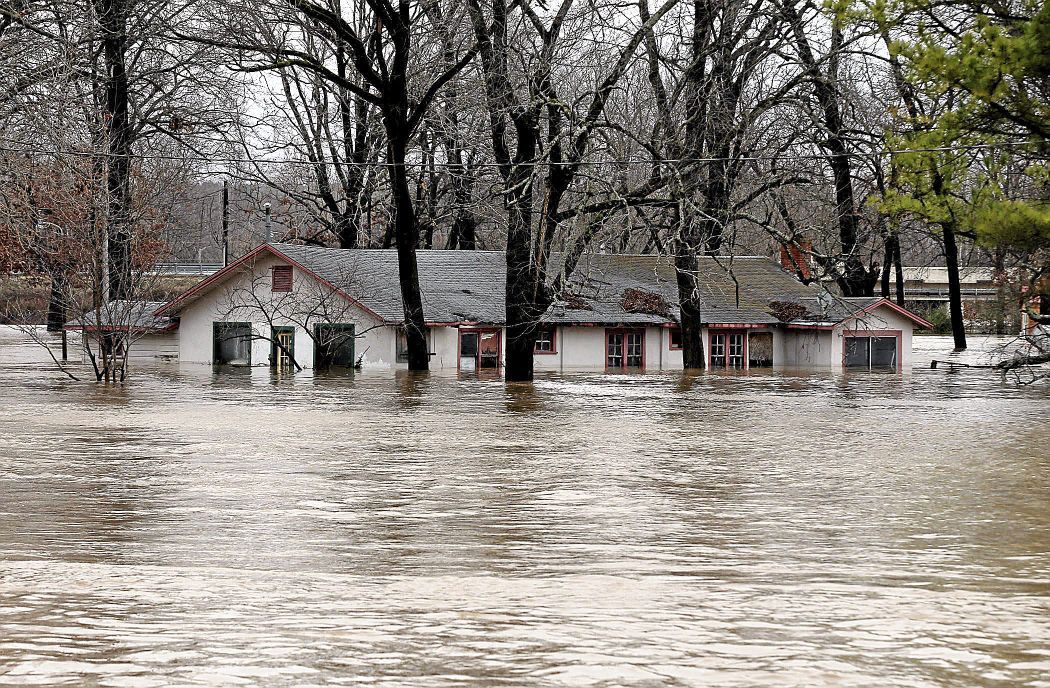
(793, 528)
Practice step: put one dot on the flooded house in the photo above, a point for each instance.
(291, 307)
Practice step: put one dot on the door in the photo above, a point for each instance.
(624, 349)
(488, 351)
(333, 345)
(479, 350)
(728, 350)
(282, 349)
(232, 343)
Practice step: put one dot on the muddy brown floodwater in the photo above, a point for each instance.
(805, 529)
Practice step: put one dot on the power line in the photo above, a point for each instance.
(539, 163)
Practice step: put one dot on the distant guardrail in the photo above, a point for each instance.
(920, 293)
(188, 269)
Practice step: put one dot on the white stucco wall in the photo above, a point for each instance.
(808, 348)
(882, 320)
(375, 343)
(825, 347)
(672, 358)
(444, 347)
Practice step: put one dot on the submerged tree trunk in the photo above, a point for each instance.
(521, 310)
(56, 304)
(951, 261)
(406, 233)
(690, 318)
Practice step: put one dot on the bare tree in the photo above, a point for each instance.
(526, 114)
(713, 114)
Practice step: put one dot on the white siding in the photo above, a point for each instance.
(163, 346)
(143, 348)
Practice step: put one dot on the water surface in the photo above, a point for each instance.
(799, 528)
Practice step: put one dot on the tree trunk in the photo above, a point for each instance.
(887, 263)
(1001, 298)
(690, 320)
(463, 234)
(112, 16)
(353, 115)
(898, 270)
(406, 233)
(56, 304)
(522, 318)
(854, 279)
(951, 260)
(348, 227)
(892, 260)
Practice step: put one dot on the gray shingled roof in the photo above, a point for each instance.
(833, 309)
(468, 286)
(456, 285)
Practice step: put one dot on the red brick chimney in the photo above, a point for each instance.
(795, 259)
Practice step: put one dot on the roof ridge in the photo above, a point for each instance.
(475, 251)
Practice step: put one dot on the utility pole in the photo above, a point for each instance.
(225, 222)
(269, 225)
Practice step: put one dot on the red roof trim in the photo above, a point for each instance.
(221, 274)
(921, 322)
(803, 326)
(207, 282)
(901, 310)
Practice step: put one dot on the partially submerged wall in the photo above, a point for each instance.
(230, 301)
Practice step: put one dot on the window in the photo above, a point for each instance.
(232, 343)
(282, 278)
(401, 344)
(546, 342)
(333, 346)
(728, 350)
(675, 339)
(872, 351)
(624, 349)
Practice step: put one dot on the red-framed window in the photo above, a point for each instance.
(674, 339)
(624, 349)
(281, 278)
(727, 349)
(547, 340)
